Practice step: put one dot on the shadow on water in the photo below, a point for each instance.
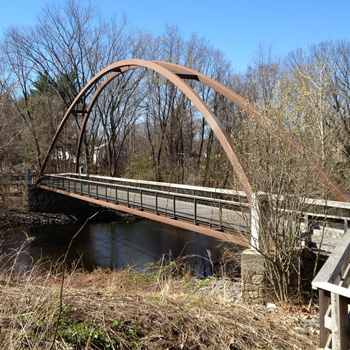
(114, 245)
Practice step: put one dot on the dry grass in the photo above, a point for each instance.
(136, 310)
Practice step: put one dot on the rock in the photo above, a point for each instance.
(258, 279)
(222, 288)
(271, 306)
(301, 330)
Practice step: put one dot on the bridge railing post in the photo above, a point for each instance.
(174, 206)
(254, 221)
(157, 203)
(141, 208)
(195, 211)
(220, 215)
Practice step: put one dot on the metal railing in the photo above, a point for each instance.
(212, 192)
(215, 212)
(332, 283)
(235, 196)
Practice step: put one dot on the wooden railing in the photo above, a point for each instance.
(332, 283)
(15, 182)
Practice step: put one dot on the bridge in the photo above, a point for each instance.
(229, 215)
(220, 213)
(223, 214)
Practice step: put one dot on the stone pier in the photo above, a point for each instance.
(253, 277)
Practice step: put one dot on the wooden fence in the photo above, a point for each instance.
(332, 283)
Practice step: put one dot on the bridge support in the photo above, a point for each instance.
(43, 201)
(253, 277)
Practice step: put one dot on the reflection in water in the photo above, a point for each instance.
(114, 245)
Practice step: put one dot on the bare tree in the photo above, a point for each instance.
(66, 49)
(10, 129)
(324, 72)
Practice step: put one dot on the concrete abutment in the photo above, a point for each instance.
(39, 200)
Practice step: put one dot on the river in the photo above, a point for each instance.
(113, 245)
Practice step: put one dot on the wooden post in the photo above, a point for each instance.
(324, 303)
(340, 322)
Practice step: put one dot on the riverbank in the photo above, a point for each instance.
(136, 310)
(13, 214)
(16, 217)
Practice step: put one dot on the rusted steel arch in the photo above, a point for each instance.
(327, 179)
(122, 66)
(186, 73)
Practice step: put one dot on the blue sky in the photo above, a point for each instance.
(236, 27)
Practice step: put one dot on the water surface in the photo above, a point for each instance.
(114, 245)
